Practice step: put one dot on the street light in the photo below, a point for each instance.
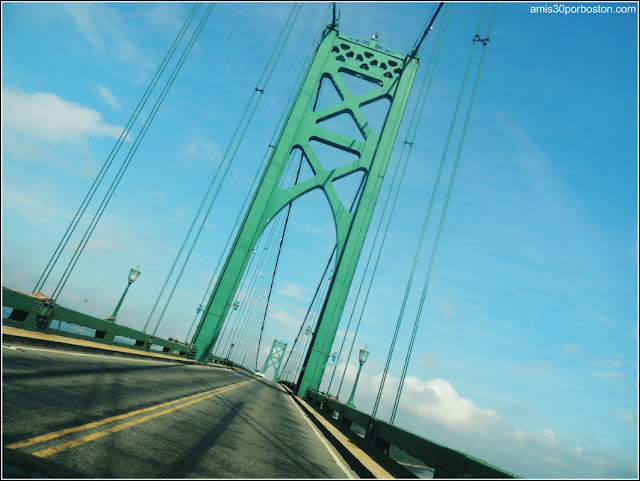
(133, 275)
(229, 353)
(364, 354)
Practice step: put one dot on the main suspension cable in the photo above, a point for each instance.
(388, 221)
(426, 31)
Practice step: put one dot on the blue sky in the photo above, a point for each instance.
(527, 351)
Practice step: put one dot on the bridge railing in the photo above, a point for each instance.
(381, 436)
(36, 312)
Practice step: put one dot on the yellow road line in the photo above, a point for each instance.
(57, 434)
(91, 437)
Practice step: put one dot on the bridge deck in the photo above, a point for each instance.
(109, 416)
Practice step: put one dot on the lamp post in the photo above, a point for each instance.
(133, 275)
(364, 354)
(229, 353)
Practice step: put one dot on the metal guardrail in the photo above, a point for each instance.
(379, 435)
(35, 312)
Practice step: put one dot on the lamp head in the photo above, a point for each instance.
(364, 354)
(133, 275)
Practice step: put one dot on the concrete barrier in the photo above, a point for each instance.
(379, 436)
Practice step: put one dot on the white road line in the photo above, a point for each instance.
(324, 441)
(82, 354)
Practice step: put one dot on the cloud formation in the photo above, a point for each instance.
(47, 118)
(435, 410)
(104, 29)
(294, 291)
(108, 97)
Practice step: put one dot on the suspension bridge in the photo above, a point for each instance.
(335, 136)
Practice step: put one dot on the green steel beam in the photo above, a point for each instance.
(275, 358)
(391, 75)
(35, 312)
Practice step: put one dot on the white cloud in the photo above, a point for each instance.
(47, 118)
(201, 148)
(108, 97)
(435, 410)
(294, 291)
(446, 306)
(104, 28)
(610, 376)
(286, 318)
(628, 418)
(33, 209)
(166, 17)
(606, 321)
(571, 349)
(438, 401)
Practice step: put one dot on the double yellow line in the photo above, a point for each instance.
(171, 405)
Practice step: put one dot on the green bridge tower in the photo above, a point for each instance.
(275, 358)
(391, 75)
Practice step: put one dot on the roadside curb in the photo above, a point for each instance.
(359, 461)
(19, 337)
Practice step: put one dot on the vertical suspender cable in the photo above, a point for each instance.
(226, 171)
(213, 180)
(132, 151)
(255, 178)
(397, 328)
(386, 205)
(114, 151)
(446, 204)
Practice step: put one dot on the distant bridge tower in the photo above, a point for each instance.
(391, 76)
(275, 358)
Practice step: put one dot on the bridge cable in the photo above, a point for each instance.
(215, 196)
(426, 31)
(114, 151)
(397, 328)
(355, 200)
(255, 178)
(315, 294)
(213, 180)
(246, 329)
(252, 295)
(227, 169)
(127, 161)
(392, 210)
(292, 182)
(275, 134)
(322, 278)
(275, 267)
(448, 197)
(314, 317)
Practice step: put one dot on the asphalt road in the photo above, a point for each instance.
(110, 417)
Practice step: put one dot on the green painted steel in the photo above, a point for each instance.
(390, 76)
(35, 312)
(447, 462)
(275, 358)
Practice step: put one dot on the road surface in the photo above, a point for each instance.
(113, 417)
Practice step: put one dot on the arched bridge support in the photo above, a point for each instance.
(391, 76)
